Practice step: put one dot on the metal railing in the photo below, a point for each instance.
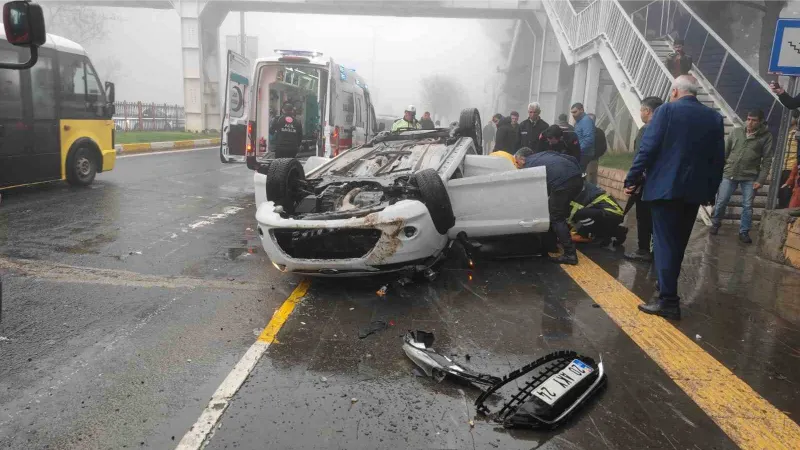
(606, 19)
(734, 80)
(138, 116)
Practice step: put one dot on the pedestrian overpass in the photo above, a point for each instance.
(594, 52)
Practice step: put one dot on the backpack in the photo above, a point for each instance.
(600, 144)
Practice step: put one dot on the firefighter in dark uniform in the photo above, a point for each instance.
(288, 133)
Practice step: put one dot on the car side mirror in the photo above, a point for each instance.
(24, 27)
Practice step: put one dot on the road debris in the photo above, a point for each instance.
(417, 346)
(698, 337)
(405, 281)
(373, 327)
(382, 291)
(554, 386)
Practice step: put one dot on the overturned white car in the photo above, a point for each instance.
(394, 203)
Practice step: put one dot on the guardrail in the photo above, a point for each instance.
(138, 116)
(608, 19)
(733, 79)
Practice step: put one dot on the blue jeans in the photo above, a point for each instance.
(726, 189)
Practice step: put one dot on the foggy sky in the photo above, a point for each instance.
(147, 43)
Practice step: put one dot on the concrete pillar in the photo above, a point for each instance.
(592, 89)
(579, 82)
(549, 73)
(201, 63)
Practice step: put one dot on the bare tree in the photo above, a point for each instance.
(80, 23)
(443, 95)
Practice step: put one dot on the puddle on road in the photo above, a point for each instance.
(88, 246)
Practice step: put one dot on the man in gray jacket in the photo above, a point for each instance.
(748, 156)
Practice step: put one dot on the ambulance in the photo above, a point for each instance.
(332, 102)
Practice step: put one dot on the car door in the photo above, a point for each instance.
(233, 142)
(501, 201)
(360, 126)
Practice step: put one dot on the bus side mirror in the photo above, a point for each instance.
(24, 24)
(111, 94)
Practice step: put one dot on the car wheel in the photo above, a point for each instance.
(82, 167)
(469, 125)
(433, 194)
(283, 176)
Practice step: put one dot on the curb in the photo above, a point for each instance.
(130, 149)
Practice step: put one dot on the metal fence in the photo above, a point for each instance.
(736, 82)
(138, 116)
(637, 59)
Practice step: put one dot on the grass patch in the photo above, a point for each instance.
(136, 137)
(622, 161)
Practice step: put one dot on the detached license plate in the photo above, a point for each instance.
(559, 384)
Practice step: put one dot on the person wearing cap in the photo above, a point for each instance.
(556, 139)
(678, 62)
(408, 122)
(287, 132)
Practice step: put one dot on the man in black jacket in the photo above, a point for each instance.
(506, 137)
(288, 133)
(678, 63)
(556, 139)
(531, 128)
(564, 183)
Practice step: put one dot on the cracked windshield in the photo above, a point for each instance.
(325, 224)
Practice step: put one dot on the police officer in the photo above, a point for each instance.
(408, 122)
(288, 133)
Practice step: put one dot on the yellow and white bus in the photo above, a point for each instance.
(55, 118)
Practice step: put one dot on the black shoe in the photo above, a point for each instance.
(639, 255)
(571, 259)
(664, 308)
(714, 230)
(621, 236)
(744, 238)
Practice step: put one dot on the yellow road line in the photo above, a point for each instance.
(280, 316)
(196, 437)
(746, 417)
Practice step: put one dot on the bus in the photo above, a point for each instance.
(55, 118)
(332, 102)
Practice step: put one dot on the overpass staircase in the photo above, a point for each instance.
(633, 46)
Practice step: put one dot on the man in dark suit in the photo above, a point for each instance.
(683, 153)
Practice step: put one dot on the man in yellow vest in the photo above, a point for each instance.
(596, 216)
(408, 122)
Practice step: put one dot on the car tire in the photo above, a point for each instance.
(469, 125)
(433, 194)
(282, 177)
(81, 167)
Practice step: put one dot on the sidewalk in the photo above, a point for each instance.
(148, 147)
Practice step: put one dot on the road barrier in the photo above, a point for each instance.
(129, 149)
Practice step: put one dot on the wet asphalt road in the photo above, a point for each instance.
(128, 303)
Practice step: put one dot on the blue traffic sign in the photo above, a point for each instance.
(785, 59)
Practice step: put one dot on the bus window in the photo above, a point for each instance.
(10, 89)
(43, 84)
(82, 95)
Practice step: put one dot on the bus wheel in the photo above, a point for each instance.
(82, 168)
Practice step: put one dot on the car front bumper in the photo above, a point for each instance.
(394, 249)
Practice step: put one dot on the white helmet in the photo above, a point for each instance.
(411, 109)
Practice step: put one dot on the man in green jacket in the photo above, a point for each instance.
(748, 156)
